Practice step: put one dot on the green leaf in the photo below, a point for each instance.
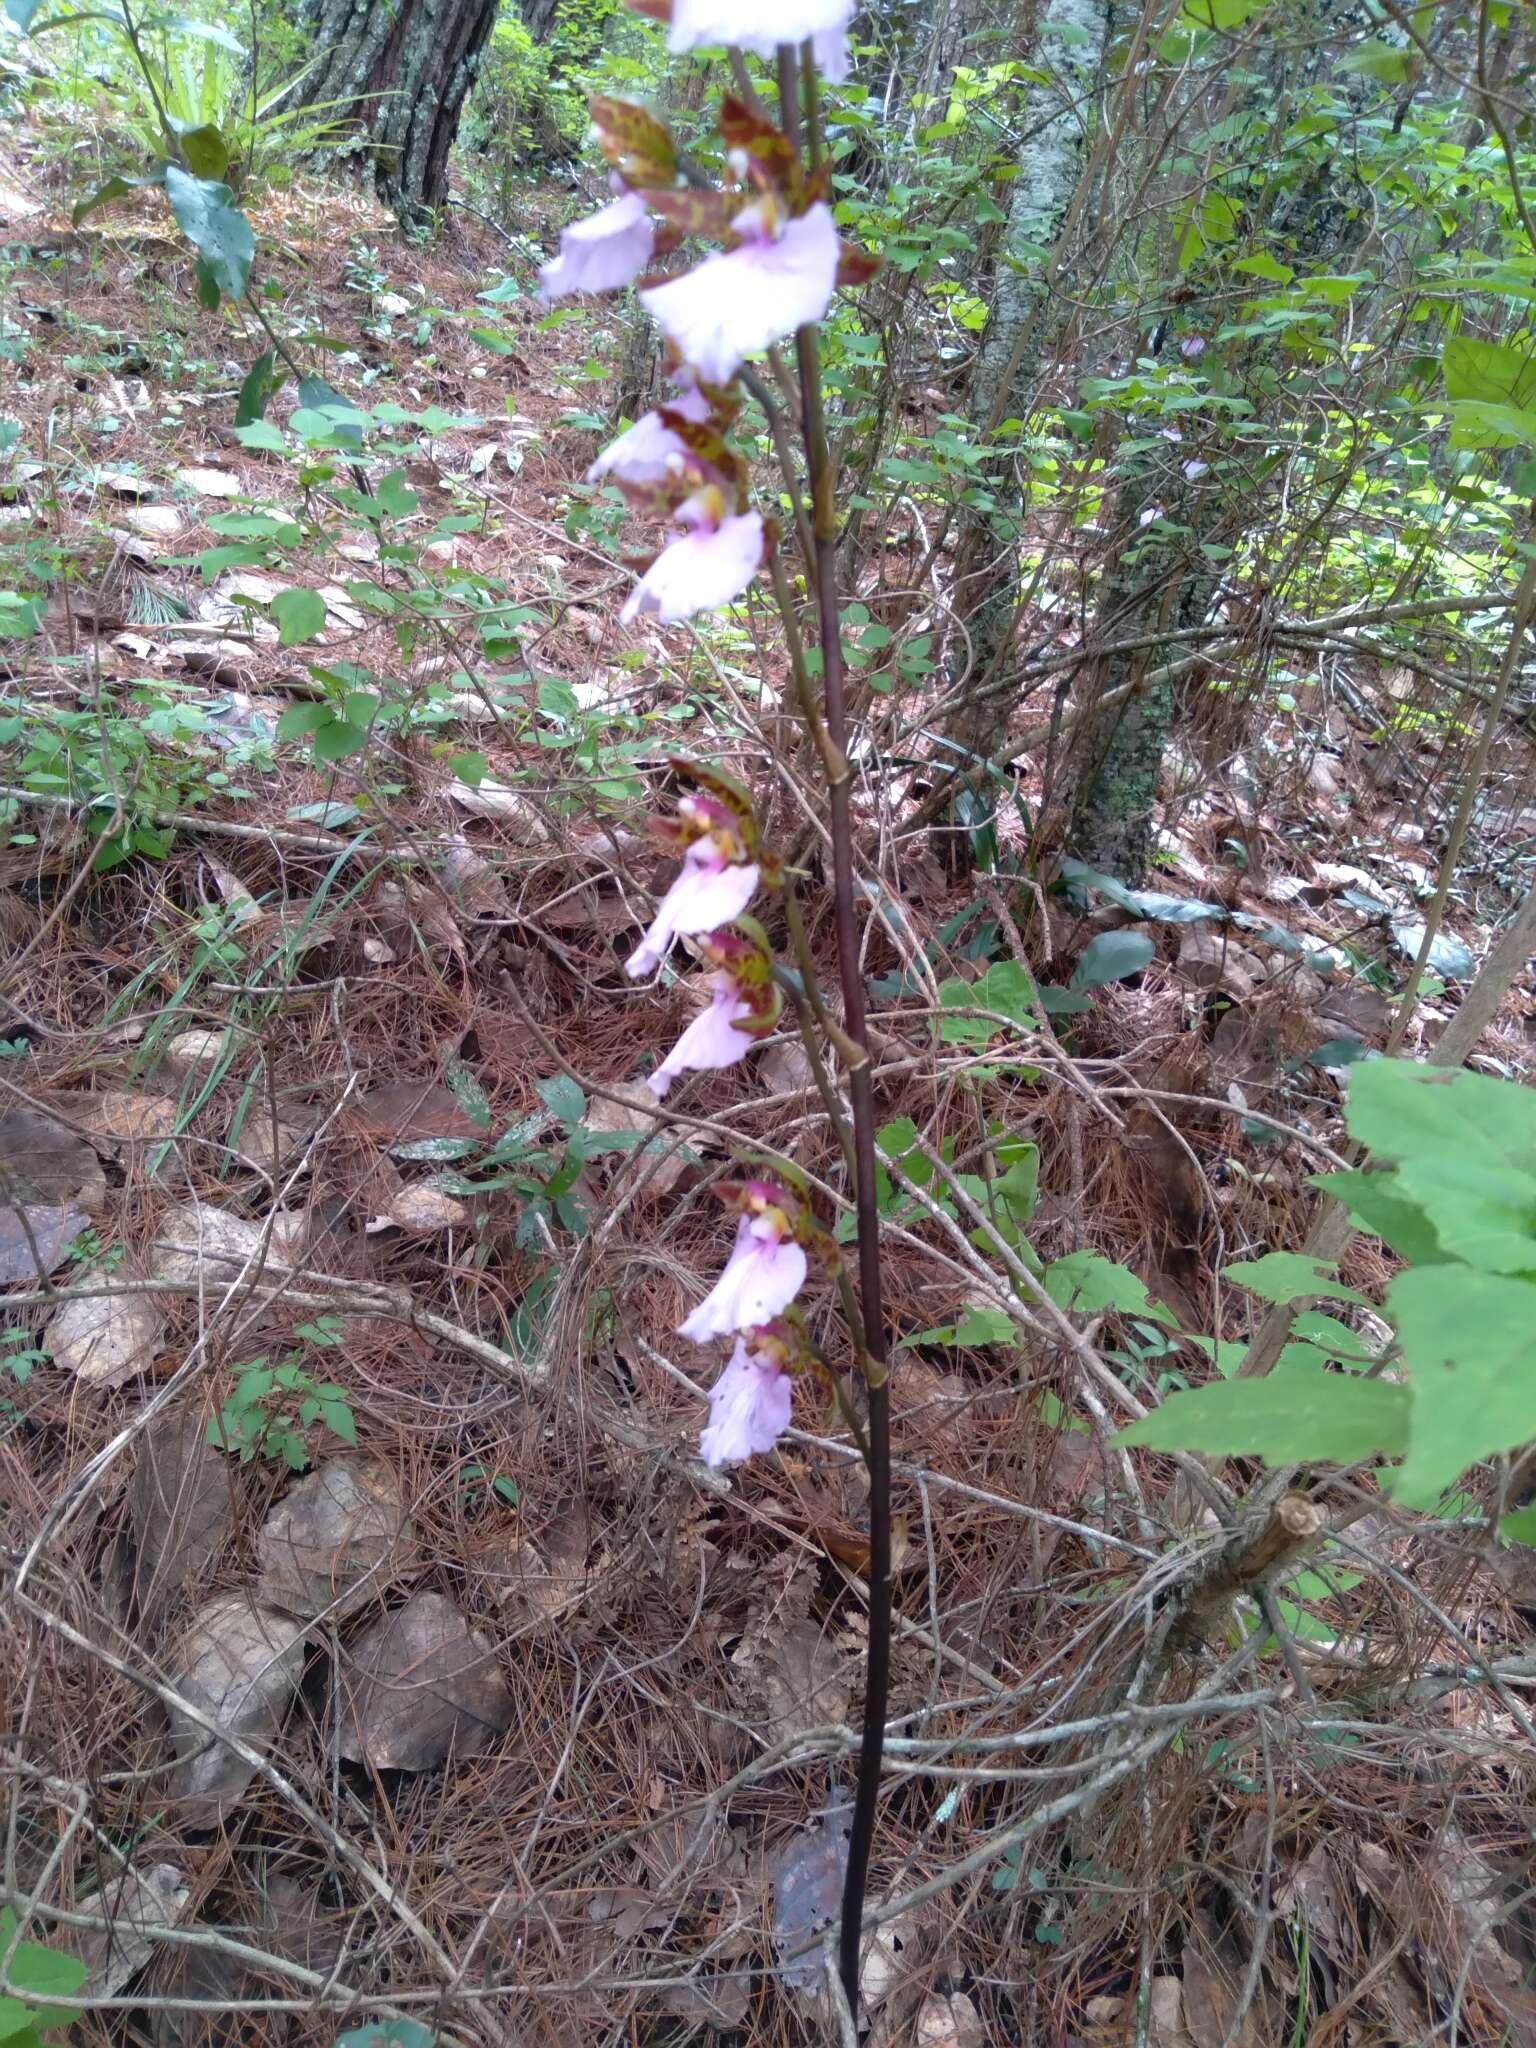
(1519, 1527)
(260, 434)
(1300, 1416)
(106, 194)
(1005, 987)
(1283, 1277)
(563, 1098)
(315, 395)
(261, 380)
(22, 12)
(469, 768)
(207, 215)
(1492, 372)
(335, 741)
(393, 495)
(1377, 1204)
(43, 1971)
(1113, 956)
(976, 1326)
(1469, 1341)
(300, 719)
(336, 1414)
(1089, 1283)
(206, 151)
(388, 2034)
(1465, 1149)
(300, 615)
(1383, 62)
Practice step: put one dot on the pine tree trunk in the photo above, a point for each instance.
(1054, 117)
(401, 70)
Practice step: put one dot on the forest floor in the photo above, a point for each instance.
(329, 1091)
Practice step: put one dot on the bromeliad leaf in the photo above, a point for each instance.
(1302, 1414)
(207, 215)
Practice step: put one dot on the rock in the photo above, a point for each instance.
(419, 1688)
(196, 1052)
(1209, 960)
(507, 806)
(336, 1539)
(198, 1243)
(210, 483)
(152, 522)
(179, 1502)
(43, 1164)
(240, 1664)
(949, 2020)
(104, 1339)
(143, 1897)
(421, 1209)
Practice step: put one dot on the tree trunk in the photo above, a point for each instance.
(1054, 118)
(401, 70)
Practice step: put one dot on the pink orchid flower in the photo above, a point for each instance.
(651, 452)
(735, 305)
(760, 27)
(608, 249)
(764, 1273)
(711, 1040)
(749, 1405)
(715, 886)
(710, 566)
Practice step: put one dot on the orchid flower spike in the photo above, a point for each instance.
(744, 1006)
(652, 452)
(765, 1271)
(711, 565)
(735, 305)
(761, 25)
(608, 249)
(719, 876)
(749, 1405)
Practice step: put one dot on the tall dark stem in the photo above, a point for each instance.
(821, 471)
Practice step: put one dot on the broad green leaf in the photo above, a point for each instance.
(316, 396)
(1376, 1203)
(1492, 372)
(1383, 62)
(260, 434)
(207, 215)
(1465, 1148)
(1005, 988)
(43, 1971)
(1469, 1341)
(471, 768)
(1222, 14)
(1519, 1527)
(1089, 1283)
(261, 380)
(563, 1098)
(1113, 956)
(300, 615)
(394, 495)
(206, 151)
(334, 742)
(106, 194)
(976, 1326)
(1289, 1276)
(1262, 265)
(1303, 1416)
(1479, 423)
(300, 719)
(388, 2034)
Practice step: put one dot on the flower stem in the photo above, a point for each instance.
(861, 1098)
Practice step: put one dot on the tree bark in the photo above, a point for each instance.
(1054, 119)
(399, 69)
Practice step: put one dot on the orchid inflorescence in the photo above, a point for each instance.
(781, 261)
